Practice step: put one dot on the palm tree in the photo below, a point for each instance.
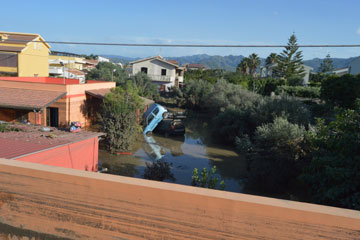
(271, 59)
(254, 62)
(243, 66)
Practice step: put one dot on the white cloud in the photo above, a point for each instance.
(358, 31)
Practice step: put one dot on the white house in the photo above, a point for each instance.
(267, 71)
(160, 70)
(103, 59)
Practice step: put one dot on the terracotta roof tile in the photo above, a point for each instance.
(27, 99)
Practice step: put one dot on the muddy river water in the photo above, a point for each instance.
(186, 152)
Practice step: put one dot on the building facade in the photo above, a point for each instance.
(23, 55)
(46, 101)
(159, 70)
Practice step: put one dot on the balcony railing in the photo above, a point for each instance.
(161, 78)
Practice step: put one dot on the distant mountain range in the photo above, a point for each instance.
(230, 62)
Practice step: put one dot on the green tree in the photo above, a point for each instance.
(341, 91)
(271, 59)
(107, 71)
(290, 61)
(326, 65)
(145, 87)
(254, 62)
(118, 118)
(276, 154)
(244, 66)
(333, 174)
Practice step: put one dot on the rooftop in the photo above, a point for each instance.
(48, 80)
(30, 139)
(28, 99)
(20, 38)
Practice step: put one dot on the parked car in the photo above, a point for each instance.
(171, 127)
(153, 116)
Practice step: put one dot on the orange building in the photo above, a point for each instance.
(47, 101)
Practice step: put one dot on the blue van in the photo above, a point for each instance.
(155, 114)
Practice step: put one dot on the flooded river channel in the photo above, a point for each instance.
(192, 150)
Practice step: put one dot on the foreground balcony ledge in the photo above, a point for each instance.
(76, 204)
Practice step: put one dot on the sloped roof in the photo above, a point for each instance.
(21, 38)
(28, 99)
(159, 58)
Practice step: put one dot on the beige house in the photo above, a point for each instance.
(160, 70)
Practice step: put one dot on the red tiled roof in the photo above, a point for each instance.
(27, 99)
(32, 140)
(91, 61)
(75, 71)
(173, 62)
(98, 93)
(195, 65)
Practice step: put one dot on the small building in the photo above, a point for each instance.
(103, 59)
(160, 70)
(23, 55)
(55, 148)
(195, 66)
(90, 64)
(75, 74)
(46, 101)
(354, 66)
(340, 71)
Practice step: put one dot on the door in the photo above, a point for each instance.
(52, 117)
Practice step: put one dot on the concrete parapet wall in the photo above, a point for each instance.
(83, 205)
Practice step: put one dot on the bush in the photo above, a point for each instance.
(159, 171)
(144, 86)
(333, 174)
(341, 91)
(276, 155)
(299, 91)
(207, 179)
(118, 118)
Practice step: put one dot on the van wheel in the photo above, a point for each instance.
(165, 115)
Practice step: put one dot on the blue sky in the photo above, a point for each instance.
(188, 21)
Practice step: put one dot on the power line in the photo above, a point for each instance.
(191, 45)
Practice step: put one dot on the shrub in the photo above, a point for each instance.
(341, 91)
(207, 179)
(299, 91)
(333, 174)
(118, 118)
(276, 155)
(159, 171)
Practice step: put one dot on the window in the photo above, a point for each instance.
(156, 110)
(144, 70)
(34, 45)
(39, 46)
(163, 72)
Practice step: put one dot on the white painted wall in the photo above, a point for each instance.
(154, 67)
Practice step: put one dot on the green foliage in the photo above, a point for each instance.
(269, 85)
(159, 171)
(144, 86)
(299, 91)
(341, 91)
(118, 118)
(271, 59)
(107, 71)
(317, 79)
(207, 179)
(275, 157)
(248, 65)
(333, 175)
(209, 75)
(290, 61)
(326, 65)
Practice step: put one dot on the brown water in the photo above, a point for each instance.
(193, 150)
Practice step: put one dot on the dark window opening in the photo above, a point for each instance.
(163, 72)
(144, 70)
